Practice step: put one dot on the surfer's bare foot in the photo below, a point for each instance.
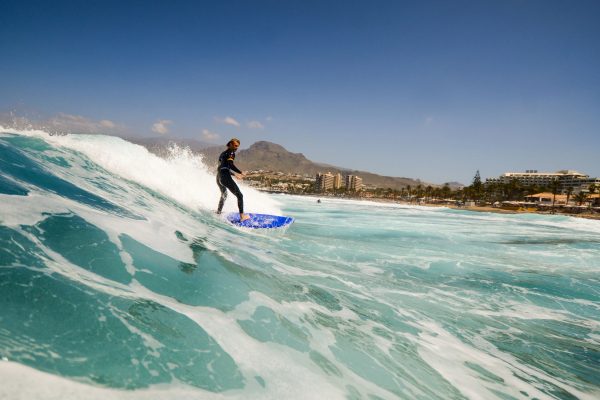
(244, 217)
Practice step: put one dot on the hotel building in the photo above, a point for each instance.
(353, 183)
(329, 181)
(565, 178)
(337, 181)
(324, 181)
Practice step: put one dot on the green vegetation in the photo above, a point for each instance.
(478, 192)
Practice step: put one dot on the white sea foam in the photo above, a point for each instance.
(288, 373)
(512, 309)
(390, 290)
(183, 176)
(17, 385)
(451, 358)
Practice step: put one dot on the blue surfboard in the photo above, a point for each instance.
(260, 221)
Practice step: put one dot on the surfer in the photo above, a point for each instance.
(225, 180)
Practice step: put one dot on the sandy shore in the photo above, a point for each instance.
(587, 215)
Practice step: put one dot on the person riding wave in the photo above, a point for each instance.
(225, 171)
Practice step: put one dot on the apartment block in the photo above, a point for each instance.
(328, 181)
(337, 181)
(353, 183)
(566, 179)
(324, 181)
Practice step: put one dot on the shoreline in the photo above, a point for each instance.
(496, 210)
(503, 211)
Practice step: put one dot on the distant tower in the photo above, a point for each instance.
(353, 183)
(324, 182)
(337, 181)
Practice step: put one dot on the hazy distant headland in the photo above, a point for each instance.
(276, 169)
(270, 156)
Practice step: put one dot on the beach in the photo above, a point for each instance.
(587, 215)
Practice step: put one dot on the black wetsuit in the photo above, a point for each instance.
(225, 181)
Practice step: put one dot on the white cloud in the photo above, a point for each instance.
(79, 124)
(208, 135)
(228, 121)
(107, 124)
(428, 121)
(231, 121)
(255, 125)
(161, 126)
(269, 118)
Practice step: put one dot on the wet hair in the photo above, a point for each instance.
(233, 140)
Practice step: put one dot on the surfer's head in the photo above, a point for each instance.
(233, 144)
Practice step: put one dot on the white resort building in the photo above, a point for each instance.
(328, 181)
(566, 178)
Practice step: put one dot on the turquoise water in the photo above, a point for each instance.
(118, 281)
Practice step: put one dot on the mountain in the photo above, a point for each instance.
(268, 156)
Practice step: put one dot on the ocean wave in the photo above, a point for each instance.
(117, 280)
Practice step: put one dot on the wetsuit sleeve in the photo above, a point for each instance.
(230, 164)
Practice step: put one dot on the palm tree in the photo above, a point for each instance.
(513, 187)
(591, 191)
(580, 197)
(569, 192)
(446, 191)
(419, 191)
(554, 185)
(489, 191)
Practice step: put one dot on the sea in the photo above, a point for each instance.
(119, 281)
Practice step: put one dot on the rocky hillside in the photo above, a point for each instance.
(273, 157)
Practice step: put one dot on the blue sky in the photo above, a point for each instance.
(423, 89)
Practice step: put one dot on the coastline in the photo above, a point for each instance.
(497, 210)
(587, 215)
(503, 211)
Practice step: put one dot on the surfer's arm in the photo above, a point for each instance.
(238, 175)
(232, 167)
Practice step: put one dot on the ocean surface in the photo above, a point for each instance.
(118, 281)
